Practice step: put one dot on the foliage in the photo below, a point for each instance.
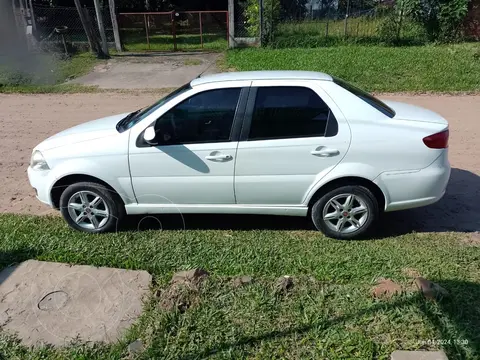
(440, 19)
(270, 17)
(444, 68)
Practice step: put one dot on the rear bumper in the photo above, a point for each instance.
(411, 189)
(39, 179)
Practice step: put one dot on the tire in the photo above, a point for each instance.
(353, 224)
(102, 216)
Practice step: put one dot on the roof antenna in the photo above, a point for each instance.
(208, 67)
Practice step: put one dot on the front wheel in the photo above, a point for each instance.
(91, 207)
(345, 213)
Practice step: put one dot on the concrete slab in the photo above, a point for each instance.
(55, 303)
(150, 71)
(418, 355)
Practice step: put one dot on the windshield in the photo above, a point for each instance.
(136, 116)
(373, 101)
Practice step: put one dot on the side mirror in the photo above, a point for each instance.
(149, 135)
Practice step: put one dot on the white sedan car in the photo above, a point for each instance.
(269, 142)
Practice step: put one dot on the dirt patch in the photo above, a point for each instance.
(472, 239)
(29, 119)
(411, 272)
(385, 289)
(183, 290)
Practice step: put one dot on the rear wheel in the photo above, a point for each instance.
(347, 212)
(91, 207)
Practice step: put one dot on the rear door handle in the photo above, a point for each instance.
(325, 152)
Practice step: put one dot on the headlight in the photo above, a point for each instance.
(38, 161)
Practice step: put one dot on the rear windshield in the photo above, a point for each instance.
(373, 101)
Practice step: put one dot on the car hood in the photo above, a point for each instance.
(409, 112)
(84, 132)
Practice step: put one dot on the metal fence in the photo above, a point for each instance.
(322, 22)
(48, 18)
(167, 31)
(293, 23)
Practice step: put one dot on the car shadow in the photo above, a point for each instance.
(458, 210)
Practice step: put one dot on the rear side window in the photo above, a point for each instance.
(373, 101)
(288, 112)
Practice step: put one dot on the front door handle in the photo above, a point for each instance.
(324, 152)
(215, 156)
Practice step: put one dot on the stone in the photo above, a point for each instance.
(386, 288)
(135, 347)
(242, 280)
(283, 284)
(56, 303)
(430, 290)
(418, 355)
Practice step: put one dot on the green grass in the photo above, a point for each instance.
(329, 313)
(356, 30)
(45, 73)
(446, 68)
(135, 40)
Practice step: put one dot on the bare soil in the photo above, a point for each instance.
(29, 119)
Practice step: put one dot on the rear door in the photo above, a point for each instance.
(293, 135)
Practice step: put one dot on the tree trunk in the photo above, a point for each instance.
(101, 28)
(88, 27)
(116, 33)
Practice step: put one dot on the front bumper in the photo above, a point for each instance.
(411, 189)
(39, 180)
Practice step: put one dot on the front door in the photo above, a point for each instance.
(193, 162)
(294, 135)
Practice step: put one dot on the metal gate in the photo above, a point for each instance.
(174, 31)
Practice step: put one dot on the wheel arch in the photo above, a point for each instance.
(345, 181)
(61, 184)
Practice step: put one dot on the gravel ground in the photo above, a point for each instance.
(28, 119)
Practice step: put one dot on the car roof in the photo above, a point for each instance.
(261, 75)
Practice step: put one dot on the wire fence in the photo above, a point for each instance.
(293, 23)
(167, 31)
(49, 18)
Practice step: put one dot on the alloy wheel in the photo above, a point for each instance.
(88, 210)
(345, 213)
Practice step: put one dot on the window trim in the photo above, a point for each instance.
(330, 130)
(234, 131)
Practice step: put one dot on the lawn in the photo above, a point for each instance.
(329, 312)
(136, 40)
(445, 68)
(45, 73)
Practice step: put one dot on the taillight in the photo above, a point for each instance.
(438, 140)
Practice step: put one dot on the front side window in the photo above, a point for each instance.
(204, 117)
(137, 116)
(288, 112)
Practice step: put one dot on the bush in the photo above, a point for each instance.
(440, 19)
(271, 14)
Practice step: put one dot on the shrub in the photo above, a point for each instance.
(271, 14)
